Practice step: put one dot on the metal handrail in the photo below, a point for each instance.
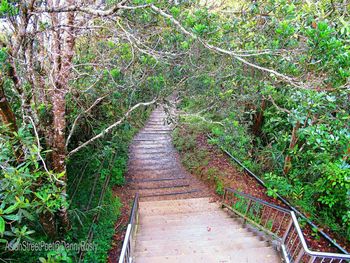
(128, 243)
(284, 201)
(281, 223)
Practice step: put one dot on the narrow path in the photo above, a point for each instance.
(154, 169)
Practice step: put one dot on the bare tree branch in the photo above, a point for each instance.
(110, 128)
(278, 107)
(89, 10)
(224, 51)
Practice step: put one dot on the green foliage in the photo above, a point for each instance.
(219, 189)
(334, 186)
(157, 83)
(115, 73)
(26, 191)
(59, 255)
(7, 8)
(315, 39)
(276, 184)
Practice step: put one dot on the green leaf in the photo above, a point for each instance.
(2, 226)
(12, 217)
(10, 209)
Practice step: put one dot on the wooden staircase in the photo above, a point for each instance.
(196, 230)
(154, 169)
(174, 221)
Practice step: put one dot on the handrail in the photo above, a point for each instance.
(261, 182)
(128, 243)
(311, 252)
(280, 223)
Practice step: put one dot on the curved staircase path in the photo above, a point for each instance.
(177, 220)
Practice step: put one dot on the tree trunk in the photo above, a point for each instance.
(47, 220)
(6, 113)
(63, 50)
(8, 118)
(59, 150)
(293, 142)
(259, 119)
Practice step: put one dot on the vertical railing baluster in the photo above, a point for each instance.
(300, 255)
(246, 212)
(268, 216)
(287, 230)
(280, 225)
(224, 197)
(262, 215)
(273, 220)
(312, 259)
(295, 250)
(293, 240)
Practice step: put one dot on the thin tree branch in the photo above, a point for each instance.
(223, 51)
(89, 10)
(110, 128)
(278, 107)
(97, 101)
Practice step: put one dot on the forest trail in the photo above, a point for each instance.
(177, 220)
(155, 170)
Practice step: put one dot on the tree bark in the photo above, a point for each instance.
(47, 220)
(259, 119)
(293, 142)
(63, 44)
(7, 115)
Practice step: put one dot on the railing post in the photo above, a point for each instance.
(287, 230)
(300, 255)
(224, 196)
(246, 212)
(312, 260)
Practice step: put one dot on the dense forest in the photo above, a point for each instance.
(269, 80)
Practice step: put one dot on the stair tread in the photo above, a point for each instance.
(200, 247)
(204, 230)
(222, 234)
(254, 255)
(165, 192)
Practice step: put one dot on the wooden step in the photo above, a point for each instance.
(147, 162)
(188, 218)
(189, 205)
(187, 230)
(218, 234)
(252, 255)
(157, 179)
(199, 246)
(141, 186)
(165, 167)
(165, 192)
